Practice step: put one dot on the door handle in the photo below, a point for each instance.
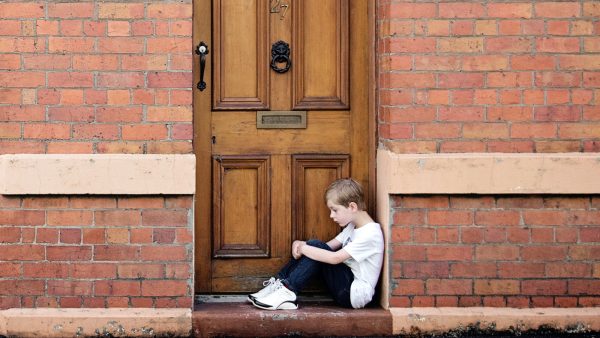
(202, 50)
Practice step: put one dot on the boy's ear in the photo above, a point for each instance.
(353, 206)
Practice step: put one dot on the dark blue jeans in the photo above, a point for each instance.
(338, 278)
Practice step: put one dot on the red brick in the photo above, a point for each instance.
(557, 9)
(589, 235)
(408, 253)
(95, 62)
(164, 218)
(544, 253)
(144, 132)
(449, 287)
(120, 10)
(423, 301)
(117, 288)
(92, 271)
(46, 131)
(139, 271)
(424, 235)
(70, 10)
(568, 270)
(70, 236)
(163, 253)
(465, 114)
(467, 269)
(116, 253)
(163, 236)
(521, 270)
(117, 217)
(542, 235)
(471, 235)
(557, 45)
(117, 236)
(120, 80)
(10, 270)
(144, 302)
(178, 271)
(496, 287)
(545, 217)
(92, 202)
(565, 302)
(22, 252)
(496, 252)
(45, 270)
(69, 217)
(121, 45)
(450, 217)
(169, 80)
(140, 236)
(69, 253)
(164, 288)
(533, 130)
(22, 217)
(535, 62)
(506, 45)
(494, 235)
(581, 61)
(585, 218)
(510, 10)
(16, 79)
(95, 131)
(21, 10)
(21, 287)
(170, 11)
(449, 253)
(566, 235)
(94, 236)
(543, 287)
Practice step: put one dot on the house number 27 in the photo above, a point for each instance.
(278, 6)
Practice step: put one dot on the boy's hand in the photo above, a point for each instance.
(296, 249)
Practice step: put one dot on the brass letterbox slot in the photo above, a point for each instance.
(266, 119)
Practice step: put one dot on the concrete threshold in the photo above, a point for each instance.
(137, 322)
(235, 318)
(242, 319)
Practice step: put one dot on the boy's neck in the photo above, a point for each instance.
(362, 218)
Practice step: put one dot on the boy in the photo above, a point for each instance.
(350, 263)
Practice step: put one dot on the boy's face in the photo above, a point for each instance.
(340, 214)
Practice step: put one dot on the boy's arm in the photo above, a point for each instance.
(325, 256)
(334, 244)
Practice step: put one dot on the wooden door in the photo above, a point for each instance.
(269, 141)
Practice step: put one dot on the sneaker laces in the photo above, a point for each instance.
(269, 282)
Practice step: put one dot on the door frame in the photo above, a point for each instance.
(202, 104)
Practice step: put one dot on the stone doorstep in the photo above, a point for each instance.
(242, 319)
(87, 322)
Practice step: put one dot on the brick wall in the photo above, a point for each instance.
(531, 251)
(489, 76)
(102, 251)
(96, 77)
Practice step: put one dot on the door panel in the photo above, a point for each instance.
(241, 206)
(321, 54)
(240, 62)
(311, 175)
(259, 189)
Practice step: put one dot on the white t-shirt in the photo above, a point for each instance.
(365, 246)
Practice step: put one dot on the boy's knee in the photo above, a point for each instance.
(315, 242)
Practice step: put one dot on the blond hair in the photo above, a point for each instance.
(343, 191)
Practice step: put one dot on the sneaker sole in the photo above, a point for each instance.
(282, 306)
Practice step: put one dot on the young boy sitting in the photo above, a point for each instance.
(350, 263)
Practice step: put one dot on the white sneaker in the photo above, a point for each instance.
(281, 298)
(269, 286)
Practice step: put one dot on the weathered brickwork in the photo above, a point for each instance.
(96, 77)
(515, 251)
(489, 76)
(100, 251)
